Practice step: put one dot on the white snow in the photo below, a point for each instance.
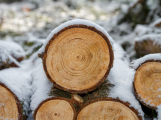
(136, 63)
(41, 85)
(75, 22)
(156, 22)
(9, 51)
(159, 112)
(122, 78)
(154, 37)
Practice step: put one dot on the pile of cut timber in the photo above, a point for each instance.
(77, 58)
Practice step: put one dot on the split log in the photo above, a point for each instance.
(147, 83)
(78, 57)
(107, 108)
(10, 54)
(10, 107)
(148, 44)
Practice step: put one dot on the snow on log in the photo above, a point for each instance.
(121, 76)
(10, 54)
(48, 102)
(114, 98)
(147, 44)
(157, 23)
(77, 56)
(10, 107)
(14, 82)
(107, 109)
(147, 81)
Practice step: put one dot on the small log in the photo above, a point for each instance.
(107, 109)
(147, 83)
(55, 109)
(10, 107)
(148, 44)
(78, 58)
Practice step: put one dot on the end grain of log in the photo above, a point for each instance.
(56, 108)
(78, 58)
(147, 84)
(107, 109)
(10, 107)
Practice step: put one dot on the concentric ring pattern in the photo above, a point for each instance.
(106, 110)
(78, 59)
(148, 83)
(8, 105)
(55, 109)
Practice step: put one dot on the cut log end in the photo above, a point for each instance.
(147, 84)
(9, 105)
(55, 109)
(78, 59)
(107, 109)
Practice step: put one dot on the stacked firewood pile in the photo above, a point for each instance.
(81, 75)
(77, 60)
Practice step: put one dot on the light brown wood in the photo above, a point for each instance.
(55, 109)
(78, 59)
(9, 107)
(147, 84)
(107, 110)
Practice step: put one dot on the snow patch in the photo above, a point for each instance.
(41, 85)
(136, 63)
(122, 78)
(75, 22)
(154, 37)
(159, 112)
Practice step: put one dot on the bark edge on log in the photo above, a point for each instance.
(127, 104)
(103, 78)
(20, 115)
(55, 98)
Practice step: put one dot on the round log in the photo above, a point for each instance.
(147, 83)
(55, 108)
(78, 58)
(107, 109)
(10, 107)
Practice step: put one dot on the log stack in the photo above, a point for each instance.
(77, 58)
